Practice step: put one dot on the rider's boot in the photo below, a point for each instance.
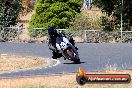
(54, 55)
(59, 55)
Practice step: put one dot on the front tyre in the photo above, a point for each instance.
(77, 61)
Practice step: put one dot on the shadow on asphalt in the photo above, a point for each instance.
(74, 63)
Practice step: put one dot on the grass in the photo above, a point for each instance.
(13, 62)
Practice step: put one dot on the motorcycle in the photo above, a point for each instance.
(67, 50)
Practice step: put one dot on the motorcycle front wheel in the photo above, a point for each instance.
(77, 61)
(70, 54)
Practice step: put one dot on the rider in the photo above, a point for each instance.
(52, 42)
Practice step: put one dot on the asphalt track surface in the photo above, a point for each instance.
(94, 57)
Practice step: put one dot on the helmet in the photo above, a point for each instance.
(52, 31)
